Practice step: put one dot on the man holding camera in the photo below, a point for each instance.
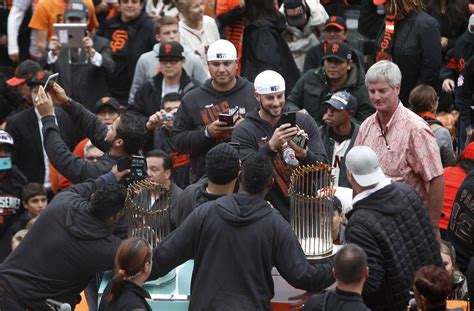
(197, 127)
(289, 140)
(82, 71)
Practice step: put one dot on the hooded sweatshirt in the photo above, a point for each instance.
(70, 247)
(253, 135)
(393, 227)
(200, 107)
(235, 242)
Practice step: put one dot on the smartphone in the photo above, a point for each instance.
(289, 117)
(123, 164)
(231, 117)
(5, 164)
(50, 82)
(138, 167)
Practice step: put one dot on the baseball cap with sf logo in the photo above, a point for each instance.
(339, 50)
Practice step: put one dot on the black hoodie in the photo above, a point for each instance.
(235, 242)
(393, 227)
(200, 107)
(253, 135)
(65, 248)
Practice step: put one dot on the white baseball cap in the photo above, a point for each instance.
(268, 82)
(221, 50)
(363, 163)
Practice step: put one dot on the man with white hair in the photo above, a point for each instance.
(266, 131)
(390, 223)
(197, 128)
(404, 143)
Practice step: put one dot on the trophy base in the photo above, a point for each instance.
(319, 259)
(164, 280)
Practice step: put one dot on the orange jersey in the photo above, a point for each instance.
(49, 12)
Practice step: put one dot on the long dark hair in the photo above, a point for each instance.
(455, 11)
(257, 9)
(131, 257)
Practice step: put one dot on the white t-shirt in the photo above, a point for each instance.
(198, 41)
(337, 157)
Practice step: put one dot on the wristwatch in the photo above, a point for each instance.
(206, 132)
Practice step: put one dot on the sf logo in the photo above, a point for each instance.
(335, 48)
(119, 39)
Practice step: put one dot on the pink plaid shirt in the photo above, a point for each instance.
(407, 151)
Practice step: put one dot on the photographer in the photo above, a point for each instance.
(123, 138)
(181, 165)
(82, 71)
(265, 131)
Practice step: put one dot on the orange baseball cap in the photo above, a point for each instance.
(379, 2)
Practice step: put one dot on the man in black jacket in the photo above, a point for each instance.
(339, 73)
(124, 138)
(233, 271)
(197, 127)
(262, 131)
(222, 167)
(339, 133)
(131, 33)
(391, 224)
(350, 271)
(82, 73)
(67, 246)
(171, 78)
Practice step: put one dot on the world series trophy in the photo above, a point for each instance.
(147, 210)
(311, 191)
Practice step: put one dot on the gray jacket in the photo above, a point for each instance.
(148, 63)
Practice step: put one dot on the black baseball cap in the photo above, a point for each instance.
(106, 102)
(171, 50)
(39, 78)
(342, 101)
(336, 21)
(295, 12)
(76, 9)
(24, 72)
(339, 50)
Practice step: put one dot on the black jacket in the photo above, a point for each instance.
(416, 49)
(127, 41)
(70, 247)
(329, 147)
(393, 227)
(28, 154)
(338, 300)
(73, 167)
(235, 242)
(191, 197)
(253, 135)
(148, 97)
(181, 165)
(200, 107)
(132, 297)
(312, 90)
(264, 48)
(314, 58)
(460, 231)
(83, 81)
(370, 22)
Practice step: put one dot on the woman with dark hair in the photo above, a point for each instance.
(264, 47)
(453, 178)
(133, 266)
(432, 286)
(452, 16)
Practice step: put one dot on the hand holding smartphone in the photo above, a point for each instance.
(50, 82)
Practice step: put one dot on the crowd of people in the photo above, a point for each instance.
(223, 100)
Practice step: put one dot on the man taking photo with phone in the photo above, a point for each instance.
(289, 140)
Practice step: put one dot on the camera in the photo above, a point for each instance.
(168, 116)
(301, 141)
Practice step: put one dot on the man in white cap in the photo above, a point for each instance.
(390, 222)
(288, 145)
(197, 127)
